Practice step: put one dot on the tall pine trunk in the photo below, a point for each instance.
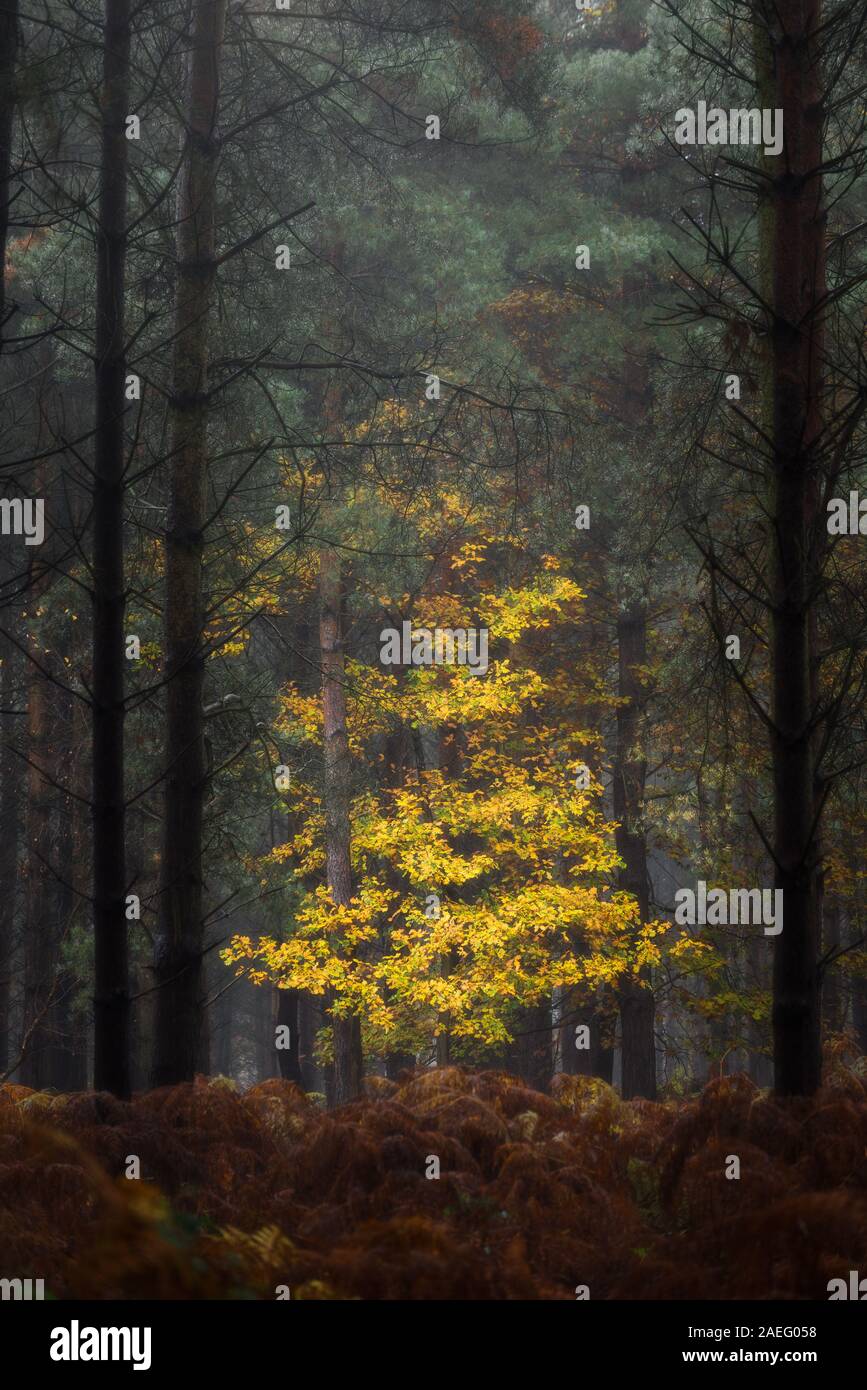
(178, 956)
(793, 276)
(348, 1059)
(111, 1006)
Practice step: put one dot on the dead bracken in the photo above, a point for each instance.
(245, 1194)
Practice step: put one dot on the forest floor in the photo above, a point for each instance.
(253, 1194)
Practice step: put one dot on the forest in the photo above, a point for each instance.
(433, 650)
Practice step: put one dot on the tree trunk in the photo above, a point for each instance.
(348, 1060)
(178, 956)
(637, 1009)
(81, 868)
(11, 791)
(573, 1011)
(53, 1058)
(68, 745)
(288, 1017)
(397, 1062)
(39, 926)
(859, 1012)
(111, 1006)
(8, 62)
(309, 1019)
(793, 280)
(535, 1059)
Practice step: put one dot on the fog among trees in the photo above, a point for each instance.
(433, 640)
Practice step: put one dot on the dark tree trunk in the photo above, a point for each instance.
(40, 985)
(178, 956)
(53, 1058)
(69, 1062)
(793, 274)
(348, 1079)
(309, 1019)
(535, 1063)
(39, 925)
(637, 1009)
(8, 62)
(11, 791)
(144, 834)
(81, 866)
(602, 1048)
(598, 1058)
(287, 1017)
(397, 1062)
(859, 1012)
(111, 1006)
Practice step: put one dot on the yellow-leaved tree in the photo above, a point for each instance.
(480, 860)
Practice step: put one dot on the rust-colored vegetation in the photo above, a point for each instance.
(538, 1194)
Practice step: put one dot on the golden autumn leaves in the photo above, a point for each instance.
(480, 885)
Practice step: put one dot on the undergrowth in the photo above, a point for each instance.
(537, 1194)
